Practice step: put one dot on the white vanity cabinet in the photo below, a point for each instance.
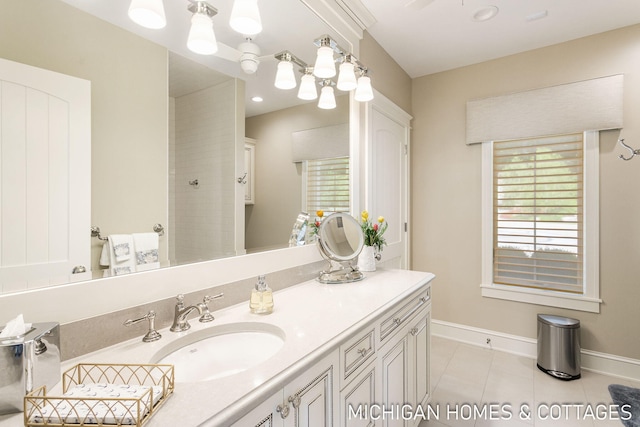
(378, 369)
(307, 401)
(403, 361)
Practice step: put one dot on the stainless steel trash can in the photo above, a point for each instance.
(559, 346)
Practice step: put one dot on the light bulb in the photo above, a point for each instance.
(202, 39)
(347, 77)
(245, 17)
(285, 79)
(364, 92)
(308, 89)
(148, 13)
(325, 67)
(327, 99)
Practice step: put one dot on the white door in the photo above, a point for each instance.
(45, 177)
(387, 175)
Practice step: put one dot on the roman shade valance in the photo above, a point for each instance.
(594, 104)
(321, 143)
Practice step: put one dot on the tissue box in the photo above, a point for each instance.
(27, 362)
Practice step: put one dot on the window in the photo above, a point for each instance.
(540, 202)
(327, 185)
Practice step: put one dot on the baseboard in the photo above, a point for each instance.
(604, 363)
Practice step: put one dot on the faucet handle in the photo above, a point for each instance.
(180, 299)
(206, 314)
(152, 334)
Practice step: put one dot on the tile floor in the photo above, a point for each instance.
(466, 376)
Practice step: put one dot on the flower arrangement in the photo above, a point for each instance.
(316, 224)
(373, 232)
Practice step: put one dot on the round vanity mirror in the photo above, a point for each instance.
(340, 241)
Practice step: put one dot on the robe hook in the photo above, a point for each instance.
(633, 152)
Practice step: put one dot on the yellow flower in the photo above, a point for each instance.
(320, 213)
(380, 219)
(365, 216)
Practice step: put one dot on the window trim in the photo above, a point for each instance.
(590, 301)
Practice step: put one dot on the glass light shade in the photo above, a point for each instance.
(148, 13)
(285, 79)
(245, 17)
(364, 92)
(327, 99)
(347, 77)
(325, 67)
(202, 39)
(308, 89)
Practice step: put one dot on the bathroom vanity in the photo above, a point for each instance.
(348, 351)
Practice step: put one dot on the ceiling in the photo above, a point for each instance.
(429, 36)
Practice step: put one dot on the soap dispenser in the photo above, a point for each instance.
(261, 298)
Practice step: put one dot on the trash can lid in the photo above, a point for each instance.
(559, 321)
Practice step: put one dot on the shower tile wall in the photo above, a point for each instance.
(204, 150)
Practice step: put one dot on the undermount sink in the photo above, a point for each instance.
(221, 350)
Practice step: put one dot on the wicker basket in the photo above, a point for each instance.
(102, 394)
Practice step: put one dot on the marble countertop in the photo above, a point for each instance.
(315, 318)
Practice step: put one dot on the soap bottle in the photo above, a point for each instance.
(261, 298)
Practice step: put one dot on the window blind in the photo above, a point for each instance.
(328, 185)
(538, 213)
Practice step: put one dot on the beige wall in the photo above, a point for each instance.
(387, 77)
(128, 99)
(446, 190)
(278, 197)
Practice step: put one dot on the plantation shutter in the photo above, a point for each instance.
(538, 213)
(328, 185)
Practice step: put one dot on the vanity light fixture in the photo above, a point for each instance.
(245, 17)
(148, 13)
(327, 99)
(364, 92)
(202, 39)
(350, 67)
(285, 78)
(308, 90)
(325, 66)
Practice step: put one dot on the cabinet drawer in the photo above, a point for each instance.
(355, 352)
(399, 317)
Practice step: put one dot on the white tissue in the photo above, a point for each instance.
(15, 327)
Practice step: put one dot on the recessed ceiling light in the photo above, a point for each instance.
(538, 15)
(485, 13)
(257, 99)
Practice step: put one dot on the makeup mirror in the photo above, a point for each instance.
(340, 241)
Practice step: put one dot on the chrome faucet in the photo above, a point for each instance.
(180, 322)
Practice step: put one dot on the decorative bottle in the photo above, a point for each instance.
(261, 301)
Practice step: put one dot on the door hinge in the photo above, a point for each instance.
(405, 227)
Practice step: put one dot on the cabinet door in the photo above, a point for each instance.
(419, 359)
(313, 396)
(264, 415)
(357, 397)
(394, 366)
(250, 171)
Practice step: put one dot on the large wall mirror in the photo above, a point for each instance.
(145, 87)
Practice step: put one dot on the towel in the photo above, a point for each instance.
(146, 247)
(117, 254)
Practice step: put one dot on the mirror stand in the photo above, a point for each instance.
(338, 272)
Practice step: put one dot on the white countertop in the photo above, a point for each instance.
(315, 318)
